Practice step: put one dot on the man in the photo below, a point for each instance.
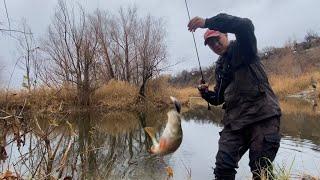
(252, 113)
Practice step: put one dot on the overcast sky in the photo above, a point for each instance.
(276, 22)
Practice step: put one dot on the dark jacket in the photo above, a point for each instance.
(241, 82)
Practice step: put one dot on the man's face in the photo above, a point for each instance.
(218, 44)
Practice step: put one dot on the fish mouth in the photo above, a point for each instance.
(176, 103)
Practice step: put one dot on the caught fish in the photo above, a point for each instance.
(171, 137)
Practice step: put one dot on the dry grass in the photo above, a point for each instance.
(9, 97)
(116, 94)
(281, 84)
(50, 99)
(294, 106)
(122, 95)
(159, 90)
(284, 172)
(285, 85)
(185, 93)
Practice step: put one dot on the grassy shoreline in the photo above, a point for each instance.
(120, 95)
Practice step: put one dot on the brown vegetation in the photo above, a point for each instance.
(285, 85)
(116, 95)
(84, 51)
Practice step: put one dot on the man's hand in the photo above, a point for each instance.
(196, 22)
(203, 88)
(209, 96)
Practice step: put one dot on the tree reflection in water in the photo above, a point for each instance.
(113, 145)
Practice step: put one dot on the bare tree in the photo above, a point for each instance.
(28, 59)
(310, 36)
(129, 46)
(72, 50)
(152, 50)
(85, 50)
(135, 46)
(123, 34)
(100, 24)
(9, 30)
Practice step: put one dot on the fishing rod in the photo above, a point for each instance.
(195, 45)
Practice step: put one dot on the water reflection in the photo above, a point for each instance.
(113, 145)
(300, 121)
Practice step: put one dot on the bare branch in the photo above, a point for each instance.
(5, 6)
(12, 30)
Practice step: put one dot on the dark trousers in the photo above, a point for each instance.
(261, 138)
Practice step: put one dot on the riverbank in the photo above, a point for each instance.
(120, 95)
(115, 95)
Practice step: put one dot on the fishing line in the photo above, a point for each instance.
(195, 46)
(194, 41)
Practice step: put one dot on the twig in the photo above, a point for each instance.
(5, 6)
(17, 174)
(7, 90)
(21, 135)
(64, 158)
(24, 162)
(187, 169)
(5, 112)
(42, 134)
(24, 104)
(36, 170)
(24, 155)
(10, 156)
(51, 155)
(74, 164)
(6, 117)
(12, 30)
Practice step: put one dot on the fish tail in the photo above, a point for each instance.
(152, 133)
(176, 103)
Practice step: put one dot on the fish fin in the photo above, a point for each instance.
(176, 103)
(169, 172)
(152, 133)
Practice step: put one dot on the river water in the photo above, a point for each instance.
(114, 145)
